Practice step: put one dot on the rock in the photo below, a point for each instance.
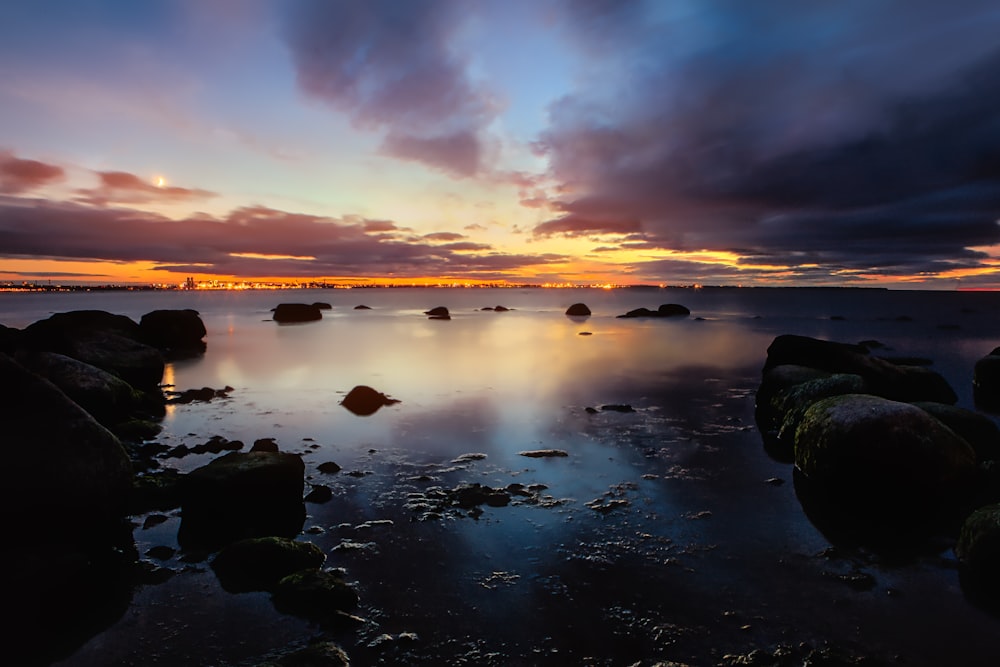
(110, 342)
(775, 380)
(239, 495)
(56, 455)
(578, 310)
(362, 307)
(258, 564)
(320, 654)
(899, 383)
(440, 312)
(673, 310)
(319, 493)
(543, 453)
(666, 310)
(978, 551)
(791, 404)
(880, 456)
(205, 394)
(156, 491)
(314, 594)
(976, 429)
(500, 309)
(328, 467)
(176, 333)
(639, 312)
(467, 496)
(264, 445)
(617, 408)
(986, 380)
(322, 305)
(10, 339)
(296, 312)
(107, 397)
(364, 401)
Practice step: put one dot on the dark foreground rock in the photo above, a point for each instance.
(107, 397)
(258, 564)
(578, 310)
(56, 455)
(986, 380)
(364, 401)
(240, 495)
(978, 551)
(286, 313)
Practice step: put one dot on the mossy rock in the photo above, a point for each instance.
(314, 594)
(978, 550)
(881, 455)
(258, 564)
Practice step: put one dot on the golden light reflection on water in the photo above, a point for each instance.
(497, 381)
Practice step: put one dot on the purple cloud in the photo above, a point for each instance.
(18, 175)
(393, 66)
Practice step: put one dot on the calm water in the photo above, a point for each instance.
(701, 559)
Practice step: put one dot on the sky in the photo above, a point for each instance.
(677, 142)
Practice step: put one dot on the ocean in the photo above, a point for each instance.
(663, 535)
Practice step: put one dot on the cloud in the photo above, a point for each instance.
(444, 236)
(394, 66)
(249, 241)
(123, 187)
(18, 175)
(864, 136)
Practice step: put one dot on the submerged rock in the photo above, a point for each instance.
(364, 401)
(543, 453)
(296, 312)
(438, 313)
(665, 310)
(578, 310)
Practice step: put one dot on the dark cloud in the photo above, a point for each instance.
(865, 136)
(392, 65)
(249, 241)
(18, 175)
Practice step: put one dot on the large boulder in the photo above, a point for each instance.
(976, 429)
(108, 398)
(56, 457)
(240, 495)
(883, 378)
(880, 456)
(790, 406)
(110, 342)
(296, 312)
(578, 310)
(177, 333)
(314, 594)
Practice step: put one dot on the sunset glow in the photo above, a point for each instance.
(523, 142)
